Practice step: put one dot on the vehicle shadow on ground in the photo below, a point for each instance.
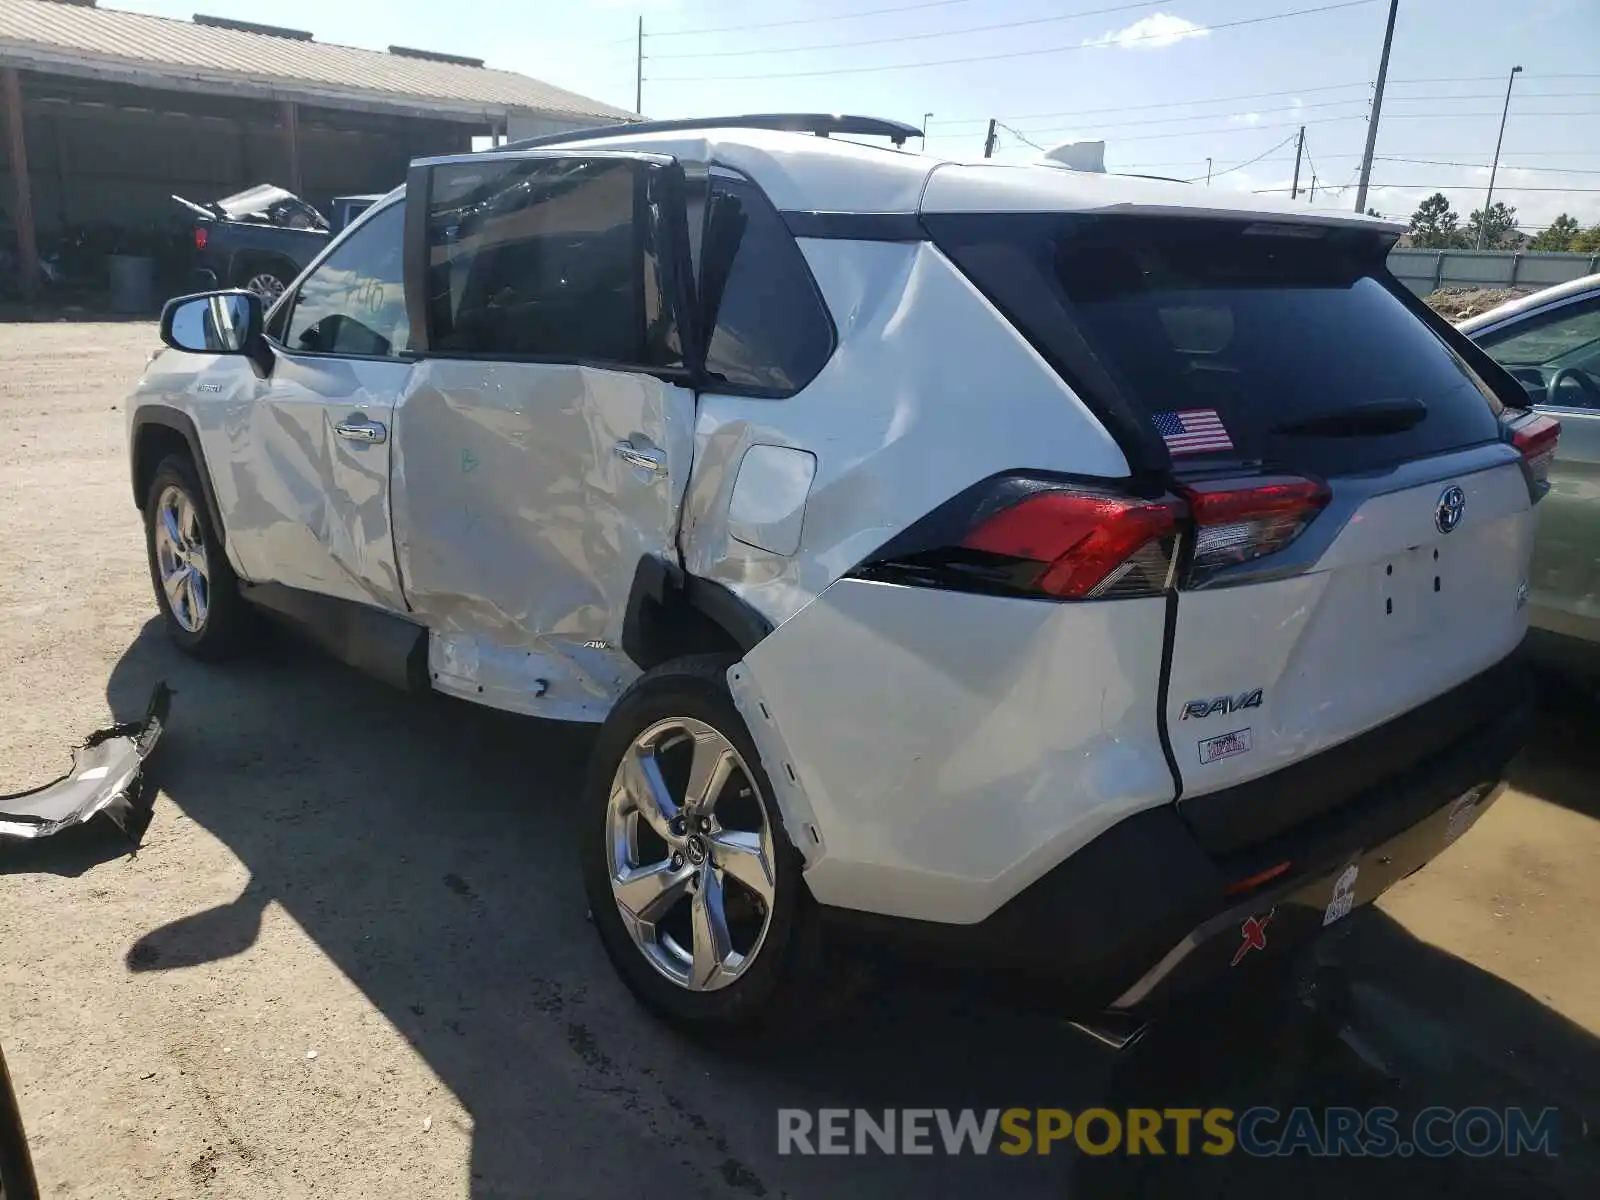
(424, 845)
(1562, 761)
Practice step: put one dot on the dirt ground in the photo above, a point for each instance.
(352, 959)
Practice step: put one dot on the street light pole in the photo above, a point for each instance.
(1483, 225)
(926, 117)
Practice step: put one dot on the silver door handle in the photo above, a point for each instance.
(634, 457)
(371, 432)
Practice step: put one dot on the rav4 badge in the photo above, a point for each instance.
(1222, 704)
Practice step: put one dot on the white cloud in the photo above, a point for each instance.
(1155, 32)
(1249, 118)
(1296, 102)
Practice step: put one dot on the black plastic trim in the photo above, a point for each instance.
(163, 417)
(733, 616)
(378, 643)
(1099, 921)
(649, 636)
(858, 227)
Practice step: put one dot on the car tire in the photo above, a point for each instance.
(266, 281)
(195, 586)
(652, 738)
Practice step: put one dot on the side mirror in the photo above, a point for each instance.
(217, 323)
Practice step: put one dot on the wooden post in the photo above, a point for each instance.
(291, 142)
(22, 194)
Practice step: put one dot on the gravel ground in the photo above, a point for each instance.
(351, 958)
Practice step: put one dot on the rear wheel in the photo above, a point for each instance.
(267, 280)
(195, 587)
(696, 890)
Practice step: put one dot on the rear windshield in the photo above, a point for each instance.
(1274, 343)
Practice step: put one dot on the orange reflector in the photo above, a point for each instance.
(1256, 880)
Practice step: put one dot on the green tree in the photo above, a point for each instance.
(1372, 212)
(1557, 235)
(1587, 242)
(1435, 225)
(1500, 224)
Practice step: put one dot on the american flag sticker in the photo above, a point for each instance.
(1193, 431)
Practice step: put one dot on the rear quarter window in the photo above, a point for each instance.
(769, 331)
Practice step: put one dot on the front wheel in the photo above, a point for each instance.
(195, 586)
(695, 888)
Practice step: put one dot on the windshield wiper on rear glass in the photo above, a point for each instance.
(1361, 420)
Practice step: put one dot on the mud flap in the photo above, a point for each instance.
(106, 777)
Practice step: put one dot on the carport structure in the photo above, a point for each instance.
(108, 113)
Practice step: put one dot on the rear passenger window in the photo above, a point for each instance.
(769, 331)
(548, 259)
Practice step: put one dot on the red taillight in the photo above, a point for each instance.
(201, 237)
(1238, 520)
(1085, 544)
(1536, 438)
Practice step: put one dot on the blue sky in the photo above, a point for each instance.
(1165, 84)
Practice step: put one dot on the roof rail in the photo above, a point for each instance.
(821, 124)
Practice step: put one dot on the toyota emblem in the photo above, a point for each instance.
(1452, 504)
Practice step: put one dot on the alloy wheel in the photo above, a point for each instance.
(690, 854)
(181, 559)
(268, 286)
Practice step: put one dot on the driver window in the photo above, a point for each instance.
(1564, 343)
(354, 303)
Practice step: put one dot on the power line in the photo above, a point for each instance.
(913, 37)
(1167, 104)
(1332, 87)
(868, 12)
(1435, 162)
(1247, 163)
(1019, 136)
(947, 62)
(1179, 120)
(1445, 187)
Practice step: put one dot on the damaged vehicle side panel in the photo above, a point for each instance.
(525, 495)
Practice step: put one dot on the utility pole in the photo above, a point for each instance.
(1313, 198)
(1377, 109)
(988, 142)
(1299, 149)
(1208, 172)
(638, 71)
(926, 117)
(1483, 225)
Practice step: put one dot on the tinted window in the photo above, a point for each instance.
(355, 302)
(770, 333)
(1290, 335)
(549, 259)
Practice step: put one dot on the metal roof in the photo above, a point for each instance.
(99, 43)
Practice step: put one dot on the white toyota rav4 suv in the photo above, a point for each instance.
(1087, 575)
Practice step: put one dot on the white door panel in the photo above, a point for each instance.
(951, 748)
(305, 506)
(525, 496)
(1394, 613)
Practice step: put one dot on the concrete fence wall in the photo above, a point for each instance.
(1425, 271)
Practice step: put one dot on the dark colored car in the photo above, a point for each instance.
(260, 239)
